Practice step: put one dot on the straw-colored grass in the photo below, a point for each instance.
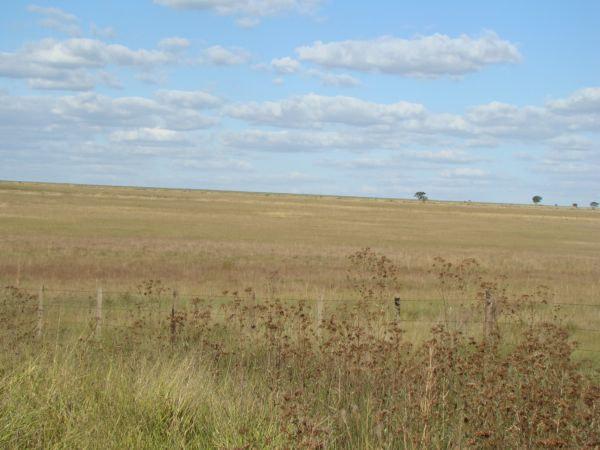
(252, 358)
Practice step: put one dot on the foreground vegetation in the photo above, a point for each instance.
(244, 373)
(254, 321)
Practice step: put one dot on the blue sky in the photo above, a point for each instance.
(482, 101)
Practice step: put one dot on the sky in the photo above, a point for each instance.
(483, 101)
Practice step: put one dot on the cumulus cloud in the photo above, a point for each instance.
(173, 43)
(583, 101)
(223, 163)
(403, 159)
(148, 135)
(424, 56)
(57, 19)
(249, 12)
(66, 64)
(78, 132)
(247, 22)
(285, 65)
(557, 135)
(73, 80)
(314, 110)
(292, 140)
(572, 142)
(89, 113)
(501, 119)
(84, 52)
(464, 172)
(334, 79)
(222, 56)
(356, 134)
(289, 66)
(103, 32)
(189, 99)
(484, 125)
(444, 156)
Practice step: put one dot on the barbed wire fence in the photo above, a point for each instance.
(98, 305)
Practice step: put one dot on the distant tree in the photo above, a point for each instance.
(574, 205)
(421, 196)
(593, 205)
(536, 199)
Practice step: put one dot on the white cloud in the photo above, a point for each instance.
(148, 135)
(464, 172)
(66, 64)
(152, 77)
(173, 43)
(501, 119)
(314, 110)
(334, 79)
(223, 163)
(57, 19)
(389, 138)
(189, 99)
(292, 141)
(579, 171)
(70, 83)
(75, 80)
(289, 66)
(285, 65)
(424, 56)
(103, 32)
(404, 159)
(572, 142)
(337, 123)
(481, 126)
(90, 113)
(71, 131)
(222, 56)
(247, 22)
(583, 101)
(84, 52)
(249, 12)
(443, 156)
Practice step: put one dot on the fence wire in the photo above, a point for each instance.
(166, 302)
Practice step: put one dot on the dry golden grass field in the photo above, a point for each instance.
(244, 263)
(75, 236)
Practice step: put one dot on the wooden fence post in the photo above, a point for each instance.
(40, 313)
(319, 317)
(18, 278)
(489, 323)
(397, 304)
(173, 324)
(99, 313)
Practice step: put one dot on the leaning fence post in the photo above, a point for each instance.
(173, 325)
(489, 323)
(40, 313)
(99, 313)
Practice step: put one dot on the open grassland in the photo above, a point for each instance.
(237, 320)
(75, 236)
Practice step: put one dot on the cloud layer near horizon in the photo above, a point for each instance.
(74, 111)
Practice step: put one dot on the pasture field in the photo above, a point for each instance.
(249, 320)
